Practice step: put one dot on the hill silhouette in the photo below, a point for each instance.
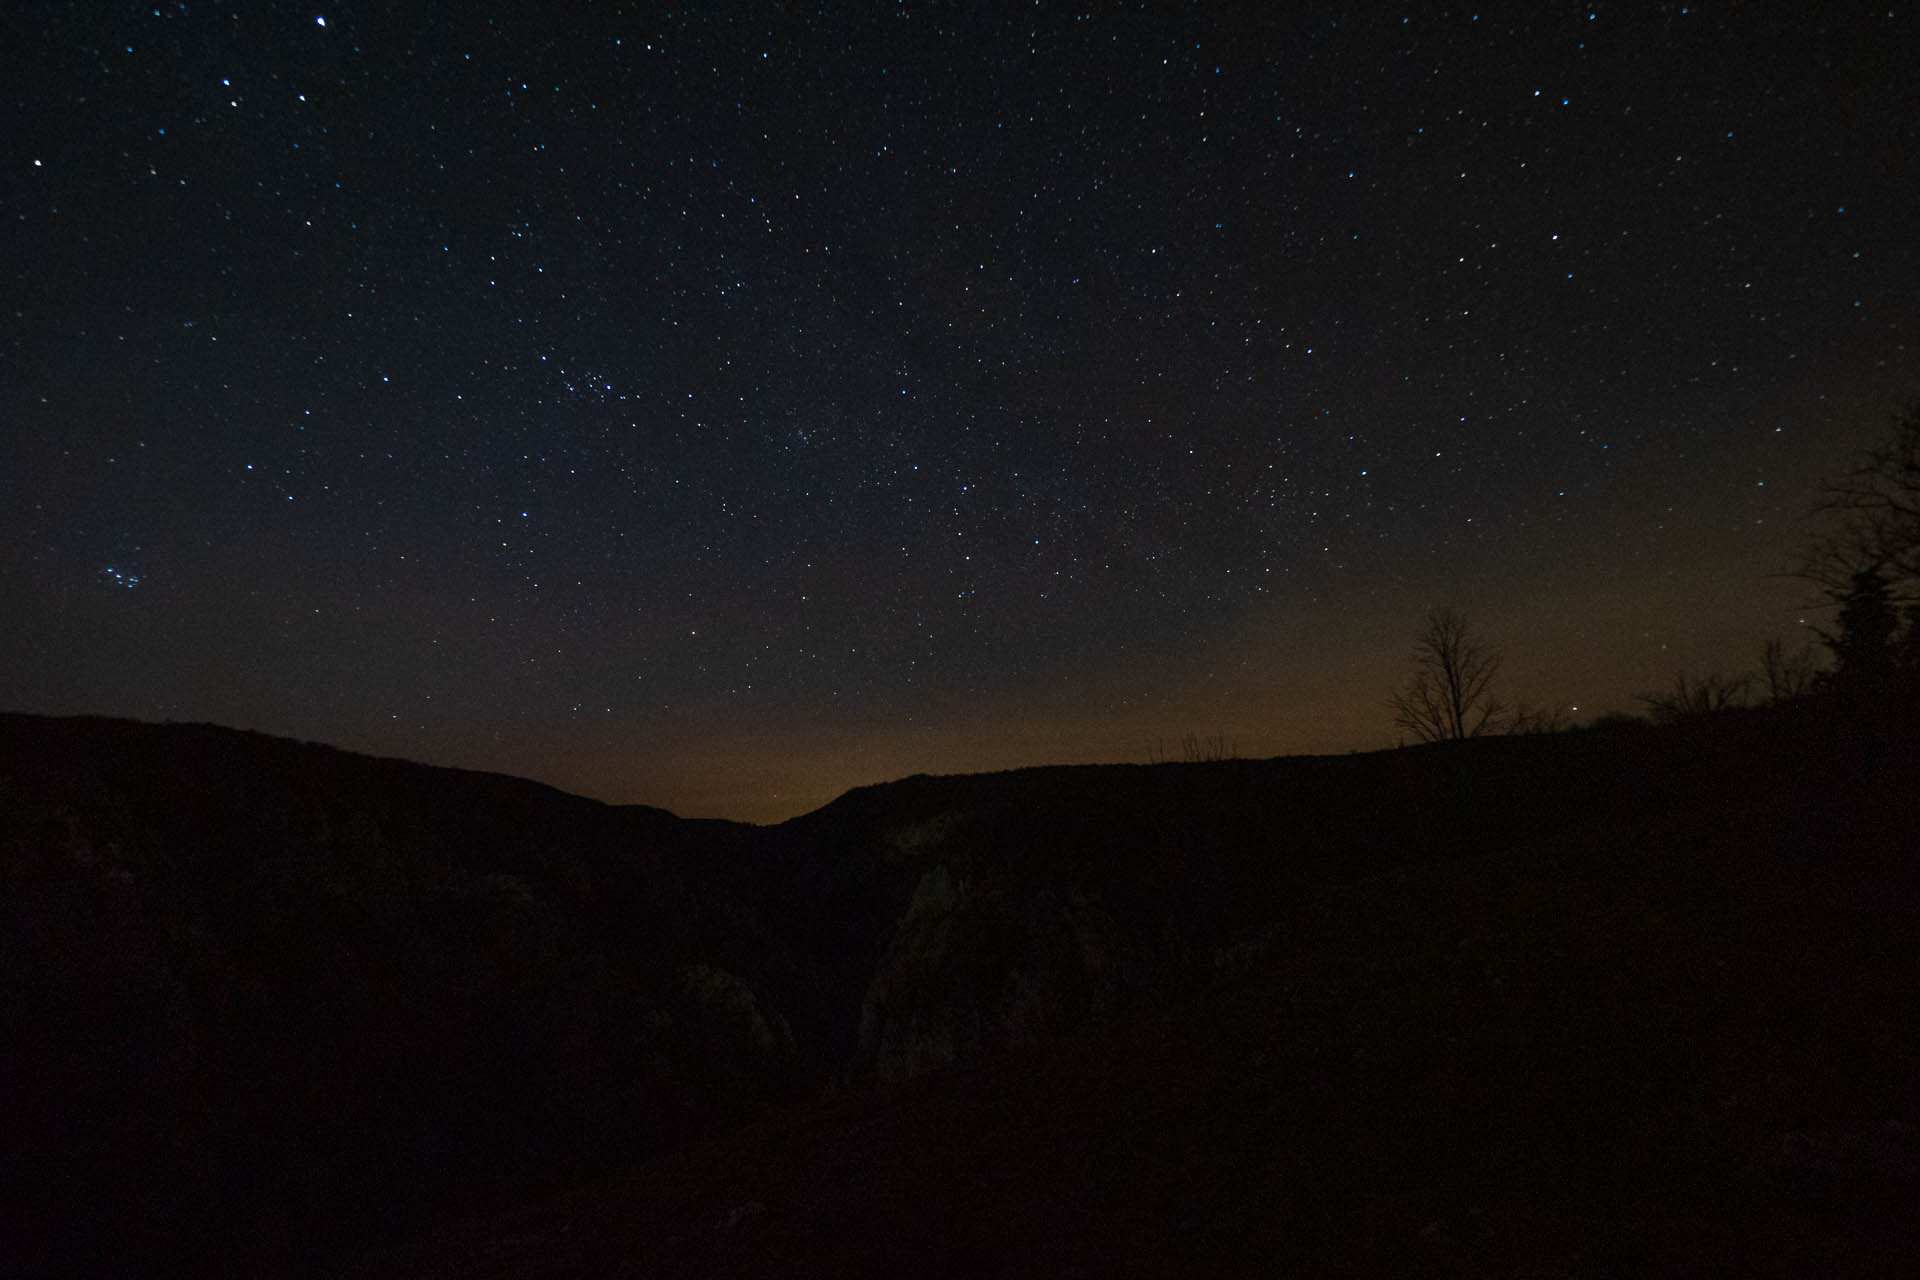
(1636, 999)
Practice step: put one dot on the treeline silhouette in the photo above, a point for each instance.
(1861, 561)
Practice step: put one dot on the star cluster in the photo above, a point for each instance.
(724, 406)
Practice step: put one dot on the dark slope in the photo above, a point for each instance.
(1600, 1001)
(265, 1001)
(1671, 1031)
(1519, 1072)
(1158, 875)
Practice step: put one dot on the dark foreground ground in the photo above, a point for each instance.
(1685, 1053)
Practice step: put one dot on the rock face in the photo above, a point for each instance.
(972, 967)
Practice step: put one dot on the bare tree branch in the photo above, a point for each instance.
(1527, 718)
(1872, 515)
(1699, 696)
(1788, 675)
(1449, 695)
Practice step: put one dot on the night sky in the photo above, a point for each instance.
(723, 408)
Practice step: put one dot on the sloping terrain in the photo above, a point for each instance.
(265, 1002)
(1627, 1001)
(1676, 1038)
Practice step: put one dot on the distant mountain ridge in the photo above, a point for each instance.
(268, 1004)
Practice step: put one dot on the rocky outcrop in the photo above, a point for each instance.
(972, 967)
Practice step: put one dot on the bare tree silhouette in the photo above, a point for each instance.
(1788, 675)
(1528, 718)
(1697, 696)
(1872, 519)
(1863, 641)
(1449, 694)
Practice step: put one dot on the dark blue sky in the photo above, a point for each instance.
(723, 408)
